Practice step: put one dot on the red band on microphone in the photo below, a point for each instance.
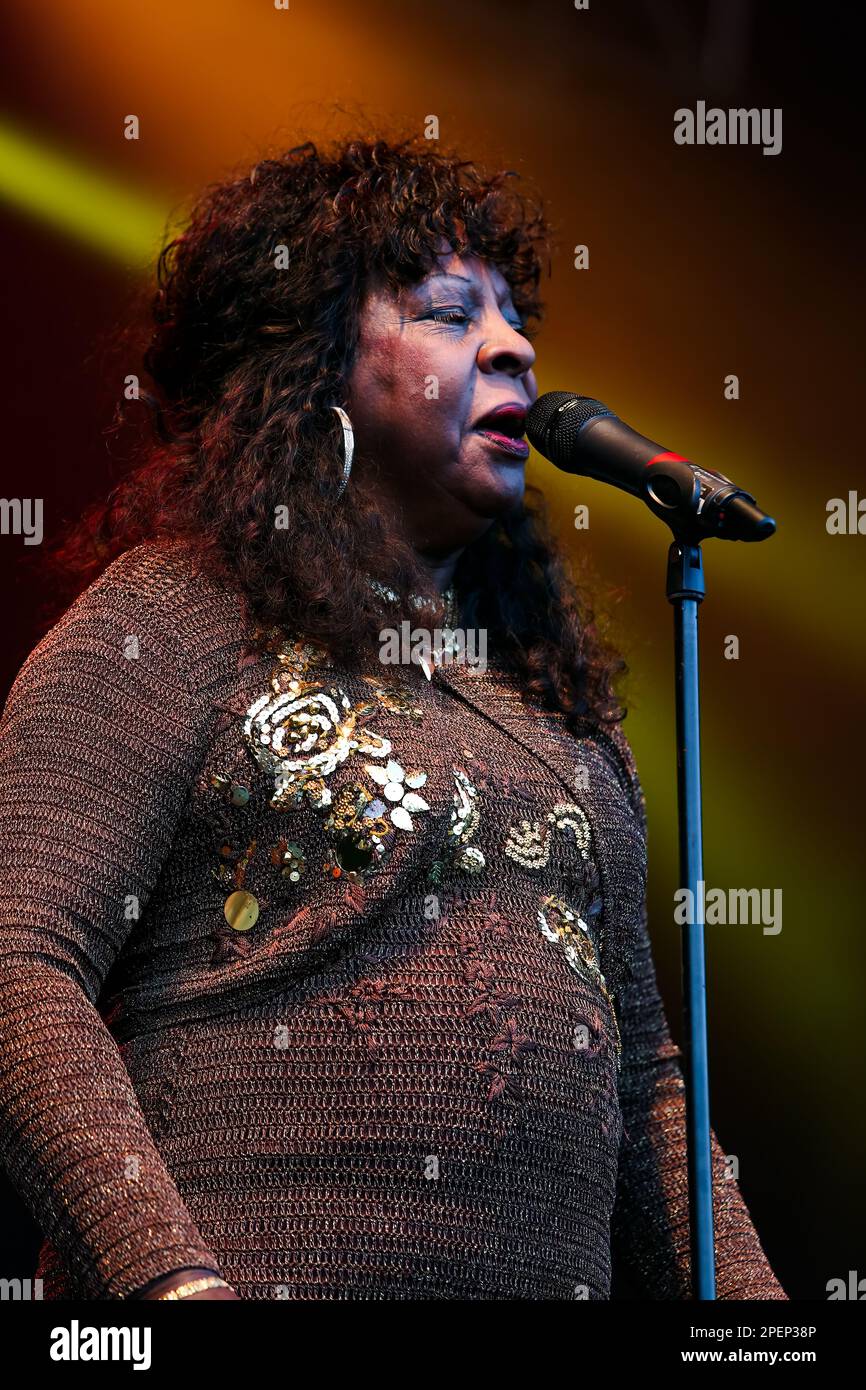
(666, 458)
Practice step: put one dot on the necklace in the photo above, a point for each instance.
(419, 601)
(446, 641)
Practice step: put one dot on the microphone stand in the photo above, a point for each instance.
(581, 435)
(685, 590)
(696, 503)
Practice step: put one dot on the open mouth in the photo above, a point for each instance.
(503, 428)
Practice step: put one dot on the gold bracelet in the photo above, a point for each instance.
(194, 1286)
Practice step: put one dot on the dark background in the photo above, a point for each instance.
(704, 261)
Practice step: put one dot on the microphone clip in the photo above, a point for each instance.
(697, 503)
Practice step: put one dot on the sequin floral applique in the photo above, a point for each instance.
(362, 825)
(300, 734)
(564, 927)
(528, 842)
(395, 699)
(465, 819)
(303, 731)
(359, 832)
(528, 845)
(567, 815)
(400, 788)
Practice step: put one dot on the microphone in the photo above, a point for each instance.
(580, 435)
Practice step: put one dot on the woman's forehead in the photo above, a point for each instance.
(466, 263)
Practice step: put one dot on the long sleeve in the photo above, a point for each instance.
(650, 1227)
(651, 1217)
(98, 740)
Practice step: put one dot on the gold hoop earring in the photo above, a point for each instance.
(348, 447)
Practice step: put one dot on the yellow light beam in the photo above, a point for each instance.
(94, 208)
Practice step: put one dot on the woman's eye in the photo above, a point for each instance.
(460, 316)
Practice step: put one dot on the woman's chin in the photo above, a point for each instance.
(502, 495)
(496, 490)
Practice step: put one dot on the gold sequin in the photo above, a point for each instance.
(241, 910)
(528, 842)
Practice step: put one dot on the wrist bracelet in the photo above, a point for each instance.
(192, 1286)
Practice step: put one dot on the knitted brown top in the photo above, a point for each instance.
(342, 988)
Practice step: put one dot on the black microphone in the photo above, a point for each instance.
(580, 435)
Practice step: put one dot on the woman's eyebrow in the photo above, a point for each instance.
(474, 288)
(464, 279)
(451, 275)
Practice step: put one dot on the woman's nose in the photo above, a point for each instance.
(505, 350)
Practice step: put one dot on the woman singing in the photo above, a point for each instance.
(325, 974)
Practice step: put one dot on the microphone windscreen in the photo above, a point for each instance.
(555, 420)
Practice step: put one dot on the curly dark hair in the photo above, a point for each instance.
(252, 333)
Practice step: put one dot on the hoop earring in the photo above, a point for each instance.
(348, 447)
